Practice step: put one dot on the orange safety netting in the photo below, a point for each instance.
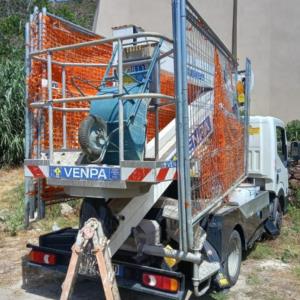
(222, 156)
(80, 80)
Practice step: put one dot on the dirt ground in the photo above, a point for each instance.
(266, 278)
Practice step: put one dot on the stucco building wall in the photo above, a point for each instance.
(268, 33)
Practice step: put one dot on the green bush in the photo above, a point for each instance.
(12, 91)
(293, 130)
(13, 16)
(15, 220)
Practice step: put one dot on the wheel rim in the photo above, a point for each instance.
(234, 259)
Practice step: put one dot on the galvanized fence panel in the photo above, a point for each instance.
(216, 130)
(213, 124)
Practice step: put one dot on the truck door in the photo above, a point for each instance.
(281, 161)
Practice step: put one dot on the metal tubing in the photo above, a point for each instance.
(156, 151)
(63, 79)
(187, 179)
(156, 107)
(27, 111)
(105, 97)
(234, 30)
(50, 107)
(40, 202)
(27, 128)
(121, 108)
(179, 125)
(103, 41)
(247, 105)
(71, 109)
(69, 64)
(177, 254)
(93, 65)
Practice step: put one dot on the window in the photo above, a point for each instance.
(281, 144)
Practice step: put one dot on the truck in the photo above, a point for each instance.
(177, 180)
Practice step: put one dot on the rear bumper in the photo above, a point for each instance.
(131, 278)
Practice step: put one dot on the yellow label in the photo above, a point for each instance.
(254, 130)
(223, 282)
(171, 262)
(241, 98)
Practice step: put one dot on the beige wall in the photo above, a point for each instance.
(268, 33)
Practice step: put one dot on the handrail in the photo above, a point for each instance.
(94, 65)
(102, 41)
(102, 97)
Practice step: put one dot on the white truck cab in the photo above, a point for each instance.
(267, 159)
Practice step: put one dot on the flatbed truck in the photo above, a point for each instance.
(168, 229)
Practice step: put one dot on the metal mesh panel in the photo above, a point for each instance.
(216, 131)
(47, 32)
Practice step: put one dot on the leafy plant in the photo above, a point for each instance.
(13, 16)
(293, 130)
(15, 220)
(12, 91)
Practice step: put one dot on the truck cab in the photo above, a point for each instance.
(268, 157)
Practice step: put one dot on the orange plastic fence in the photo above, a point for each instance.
(222, 156)
(79, 80)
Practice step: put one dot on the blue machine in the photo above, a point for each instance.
(99, 133)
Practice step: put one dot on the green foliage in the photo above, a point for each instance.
(262, 251)
(11, 111)
(294, 213)
(289, 254)
(293, 130)
(219, 296)
(15, 220)
(13, 16)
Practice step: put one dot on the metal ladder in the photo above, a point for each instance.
(91, 232)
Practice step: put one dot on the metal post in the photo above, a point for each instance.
(187, 179)
(247, 105)
(40, 202)
(179, 125)
(121, 112)
(156, 151)
(27, 129)
(234, 29)
(50, 108)
(40, 112)
(156, 107)
(63, 79)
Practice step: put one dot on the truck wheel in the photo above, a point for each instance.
(97, 208)
(232, 265)
(277, 216)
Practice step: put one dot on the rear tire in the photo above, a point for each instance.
(233, 261)
(277, 215)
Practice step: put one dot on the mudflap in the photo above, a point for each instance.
(271, 228)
